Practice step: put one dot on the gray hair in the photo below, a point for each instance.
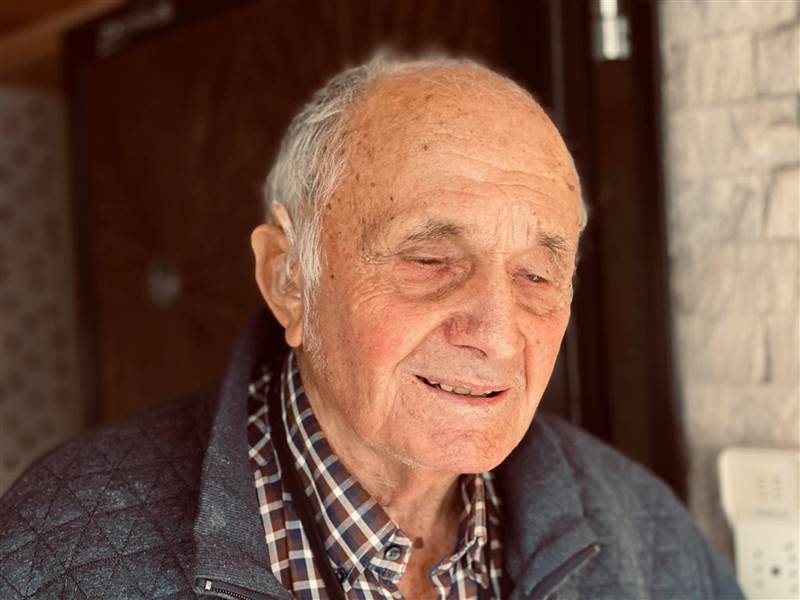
(313, 155)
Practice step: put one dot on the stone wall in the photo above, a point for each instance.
(731, 94)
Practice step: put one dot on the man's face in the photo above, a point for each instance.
(449, 250)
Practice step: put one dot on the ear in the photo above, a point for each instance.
(280, 286)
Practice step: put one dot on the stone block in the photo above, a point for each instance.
(716, 209)
(677, 20)
(704, 282)
(730, 15)
(774, 267)
(720, 69)
(778, 54)
(727, 139)
(721, 349)
(673, 74)
(742, 415)
(683, 19)
(783, 333)
(783, 205)
(709, 280)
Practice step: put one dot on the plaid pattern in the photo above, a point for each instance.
(368, 551)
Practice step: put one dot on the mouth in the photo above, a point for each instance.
(461, 391)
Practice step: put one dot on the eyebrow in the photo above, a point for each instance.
(433, 230)
(428, 231)
(556, 244)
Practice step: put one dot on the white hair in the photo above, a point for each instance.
(313, 155)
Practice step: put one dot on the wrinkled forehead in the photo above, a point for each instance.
(453, 106)
(411, 135)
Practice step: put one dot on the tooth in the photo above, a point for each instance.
(432, 382)
(462, 391)
(446, 387)
(477, 393)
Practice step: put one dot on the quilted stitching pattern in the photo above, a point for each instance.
(109, 515)
(650, 547)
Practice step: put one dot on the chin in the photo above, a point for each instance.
(466, 454)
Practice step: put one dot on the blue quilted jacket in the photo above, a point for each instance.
(164, 506)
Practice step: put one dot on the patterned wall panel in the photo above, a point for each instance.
(39, 396)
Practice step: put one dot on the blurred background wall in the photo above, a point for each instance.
(731, 78)
(39, 395)
(41, 402)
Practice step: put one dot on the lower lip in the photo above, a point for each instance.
(461, 398)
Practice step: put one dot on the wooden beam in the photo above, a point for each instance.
(42, 40)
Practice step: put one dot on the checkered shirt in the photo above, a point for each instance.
(367, 550)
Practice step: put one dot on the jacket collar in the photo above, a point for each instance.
(229, 535)
(542, 505)
(543, 517)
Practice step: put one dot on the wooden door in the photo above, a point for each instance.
(177, 111)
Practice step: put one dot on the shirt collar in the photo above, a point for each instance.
(542, 529)
(357, 532)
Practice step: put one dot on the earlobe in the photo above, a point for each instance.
(279, 280)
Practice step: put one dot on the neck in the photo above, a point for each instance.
(423, 502)
(425, 505)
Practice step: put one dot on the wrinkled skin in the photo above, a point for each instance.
(495, 195)
(448, 254)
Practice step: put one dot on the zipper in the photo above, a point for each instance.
(230, 590)
(552, 582)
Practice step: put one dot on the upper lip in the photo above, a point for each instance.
(483, 388)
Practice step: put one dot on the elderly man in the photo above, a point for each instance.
(424, 221)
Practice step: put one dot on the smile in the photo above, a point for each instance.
(457, 389)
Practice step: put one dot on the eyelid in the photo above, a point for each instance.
(429, 260)
(535, 278)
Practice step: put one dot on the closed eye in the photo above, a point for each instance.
(429, 262)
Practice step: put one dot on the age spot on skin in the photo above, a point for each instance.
(419, 543)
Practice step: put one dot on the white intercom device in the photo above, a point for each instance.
(760, 490)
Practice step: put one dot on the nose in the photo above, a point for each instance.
(485, 318)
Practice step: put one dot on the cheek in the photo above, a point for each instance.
(388, 332)
(378, 339)
(544, 341)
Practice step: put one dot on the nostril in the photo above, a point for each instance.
(488, 333)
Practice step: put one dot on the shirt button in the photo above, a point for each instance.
(341, 575)
(392, 553)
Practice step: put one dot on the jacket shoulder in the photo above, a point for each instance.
(603, 471)
(108, 514)
(640, 523)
